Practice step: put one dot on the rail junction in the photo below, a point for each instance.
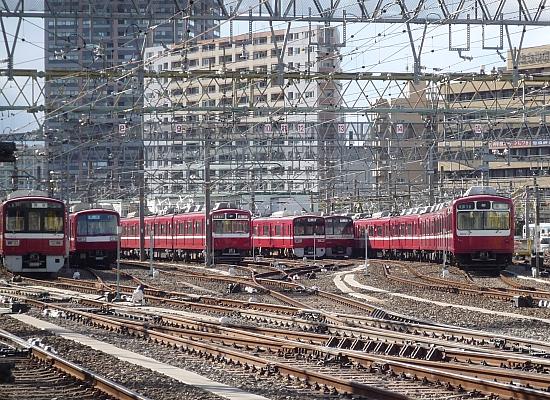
(294, 326)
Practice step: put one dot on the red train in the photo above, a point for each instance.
(182, 236)
(289, 236)
(33, 232)
(476, 230)
(339, 238)
(93, 237)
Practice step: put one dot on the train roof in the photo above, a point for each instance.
(94, 211)
(192, 213)
(337, 216)
(287, 217)
(33, 198)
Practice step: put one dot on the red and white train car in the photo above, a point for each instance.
(93, 237)
(182, 236)
(339, 239)
(476, 230)
(33, 233)
(289, 236)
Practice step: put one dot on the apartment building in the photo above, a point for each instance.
(505, 152)
(93, 120)
(262, 154)
(30, 168)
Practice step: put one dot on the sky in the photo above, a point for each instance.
(369, 48)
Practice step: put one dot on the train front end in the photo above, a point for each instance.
(339, 240)
(34, 237)
(483, 231)
(309, 237)
(231, 234)
(93, 240)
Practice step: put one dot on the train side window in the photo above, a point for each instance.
(256, 230)
(371, 230)
(379, 231)
(278, 230)
(266, 230)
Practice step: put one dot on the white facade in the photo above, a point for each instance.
(28, 172)
(256, 155)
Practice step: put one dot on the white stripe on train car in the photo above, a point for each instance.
(317, 237)
(41, 235)
(95, 239)
(482, 233)
(478, 233)
(339, 236)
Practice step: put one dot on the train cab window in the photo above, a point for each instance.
(371, 230)
(319, 228)
(15, 220)
(53, 222)
(256, 230)
(34, 221)
(379, 231)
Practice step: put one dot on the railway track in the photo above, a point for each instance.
(32, 372)
(324, 343)
(317, 367)
(361, 362)
(466, 287)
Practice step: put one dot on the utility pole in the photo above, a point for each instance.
(526, 215)
(141, 154)
(537, 230)
(431, 175)
(142, 203)
(208, 222)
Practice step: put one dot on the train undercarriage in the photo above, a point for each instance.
(480, 260)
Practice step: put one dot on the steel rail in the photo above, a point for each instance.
(510, 293)
(419, 369)
(453, 351)
(137, 329)
(105, 385)
(449, 287)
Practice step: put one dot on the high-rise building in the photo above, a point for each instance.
(93, 118)
(506, 152)
(262, 154)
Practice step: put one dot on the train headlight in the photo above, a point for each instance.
(56, 242)
(12, 242)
